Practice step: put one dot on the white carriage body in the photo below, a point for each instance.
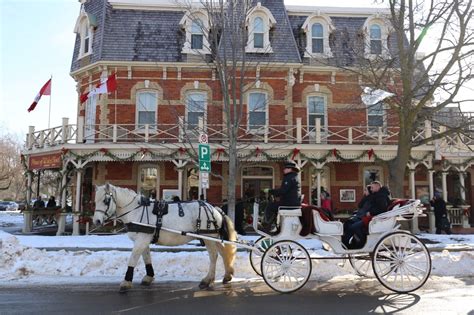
(330, 232)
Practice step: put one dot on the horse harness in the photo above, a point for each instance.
(160, 209)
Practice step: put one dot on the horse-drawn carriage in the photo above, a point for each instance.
(398, 259)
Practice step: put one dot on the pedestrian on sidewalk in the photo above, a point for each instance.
(441, 214)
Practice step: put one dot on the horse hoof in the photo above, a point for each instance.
(226, 279)
(125, 286)
(204, 285)
(147, 280)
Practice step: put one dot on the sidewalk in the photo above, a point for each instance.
(95, 243)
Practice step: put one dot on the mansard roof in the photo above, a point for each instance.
(153, 34)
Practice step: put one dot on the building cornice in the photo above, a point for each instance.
(100, 65)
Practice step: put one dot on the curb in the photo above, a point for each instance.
(465, 248)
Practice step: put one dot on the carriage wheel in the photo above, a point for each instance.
(362, 265)
(401, 262)
(262, 244)
(286, 266)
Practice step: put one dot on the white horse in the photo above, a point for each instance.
(124, 203)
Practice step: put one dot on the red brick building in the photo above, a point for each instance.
(144, 135)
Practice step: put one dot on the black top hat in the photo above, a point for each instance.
(291, 164)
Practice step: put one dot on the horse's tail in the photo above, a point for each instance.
(228, 233)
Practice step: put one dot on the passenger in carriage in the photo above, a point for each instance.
(289, 194)
(375, 201)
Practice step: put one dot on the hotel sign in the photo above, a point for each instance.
(40, 162)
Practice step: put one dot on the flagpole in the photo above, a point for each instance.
(115, 102)
(50, 94)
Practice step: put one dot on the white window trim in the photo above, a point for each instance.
(83, 22)
(268, 22)
(186, 24)
(385, 30)
(384, 120)
(142, 130)
(259, 130)
(328, 28)
(325, 128)
(205, 107)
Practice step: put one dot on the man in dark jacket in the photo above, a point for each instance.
(441, 214)
(289, 193)
(375, 201)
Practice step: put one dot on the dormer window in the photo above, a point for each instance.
(196, 25)
(85, 24)
(376, 31)
(259, 22)
(318, 27)
(197, 35)
(375, 39)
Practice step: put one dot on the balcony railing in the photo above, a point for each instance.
(218, 133)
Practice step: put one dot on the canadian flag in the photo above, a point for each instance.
(45, 90)
(104, 87)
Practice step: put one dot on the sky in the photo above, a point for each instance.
(37, 41)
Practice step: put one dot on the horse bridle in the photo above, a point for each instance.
(108, 197)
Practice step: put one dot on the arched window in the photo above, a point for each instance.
(197, 35)
(195, 108)
(317, 35)
(196, 25)
(258, 33)
(375, 39)
(257, 110)
(317, 28)
(259, 21)
(146, 109)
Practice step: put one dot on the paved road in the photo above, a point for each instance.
(439, 296)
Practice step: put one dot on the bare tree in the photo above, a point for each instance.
(12, 181)
(225, 41)
(427, 60)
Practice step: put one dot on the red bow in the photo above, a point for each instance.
(295, 153)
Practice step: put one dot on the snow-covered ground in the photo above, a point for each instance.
(11, 218)
(24, 259)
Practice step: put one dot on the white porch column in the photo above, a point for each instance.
(462, 184)
(318, 181)
(63, 214)
(180, 183)
(77, 209)
(180, 164)
(431, 182)
(28, 214)
(431, 217)
(445, 185)
(414, 221)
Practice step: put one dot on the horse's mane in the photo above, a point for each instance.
(121, 190)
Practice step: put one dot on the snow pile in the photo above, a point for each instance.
(26, 264)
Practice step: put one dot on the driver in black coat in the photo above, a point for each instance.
(289, 194)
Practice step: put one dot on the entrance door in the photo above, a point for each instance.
(255, 188)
